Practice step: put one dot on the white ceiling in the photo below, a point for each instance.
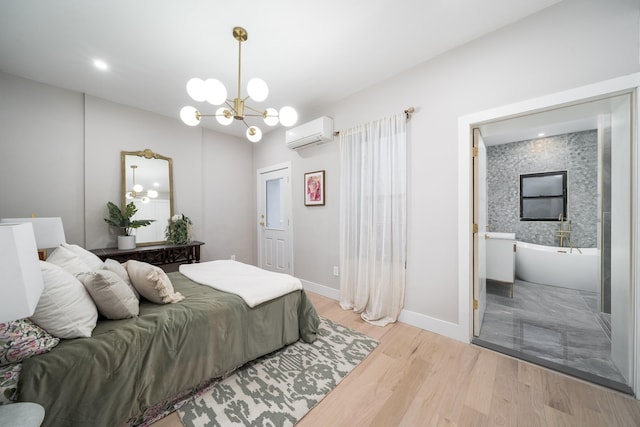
(559, 120)
(311, 54)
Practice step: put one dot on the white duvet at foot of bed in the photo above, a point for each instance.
(254, 285)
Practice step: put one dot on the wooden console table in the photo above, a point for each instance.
(166, 256)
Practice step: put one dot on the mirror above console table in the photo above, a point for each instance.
(147, 181)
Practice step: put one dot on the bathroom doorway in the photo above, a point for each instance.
(553, 188)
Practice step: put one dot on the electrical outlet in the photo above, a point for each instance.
(233, 257)
(336, 270)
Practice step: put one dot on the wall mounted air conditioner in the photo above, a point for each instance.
(314, 132)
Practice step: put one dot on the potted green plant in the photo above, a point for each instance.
(179, 230)
(121, 219)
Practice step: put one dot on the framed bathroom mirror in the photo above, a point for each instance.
(543, 196)
(147, 180)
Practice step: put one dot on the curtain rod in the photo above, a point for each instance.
(406, 112)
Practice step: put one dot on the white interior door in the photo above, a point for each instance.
(479, 242)
(274, 219)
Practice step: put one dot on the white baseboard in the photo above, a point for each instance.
(431, 324)
(323, 290)
(441, 327)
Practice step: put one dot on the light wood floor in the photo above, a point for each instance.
(418, 378)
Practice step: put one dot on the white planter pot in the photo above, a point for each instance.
(126, 242)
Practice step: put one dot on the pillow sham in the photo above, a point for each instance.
(116, 267)
(112, 296)
(85, 256)
(65, 309)
(9, 376)
(21, 339)
(63, 257)
(152, 282)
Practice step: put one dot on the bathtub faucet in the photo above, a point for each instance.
(565, 234)
(562, 233)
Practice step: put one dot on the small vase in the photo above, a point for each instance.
(126, 242)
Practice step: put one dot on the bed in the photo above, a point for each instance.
(130, 365)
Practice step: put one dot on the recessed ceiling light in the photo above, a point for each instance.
(100, 64)
(541, 134)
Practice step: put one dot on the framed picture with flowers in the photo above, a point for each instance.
(314, 188)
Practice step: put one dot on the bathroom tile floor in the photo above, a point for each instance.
(555, 327)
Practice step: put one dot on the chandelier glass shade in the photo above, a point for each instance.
(137, 190)
(215, 93)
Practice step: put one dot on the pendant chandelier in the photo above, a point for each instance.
(215, 93)
(137, 190)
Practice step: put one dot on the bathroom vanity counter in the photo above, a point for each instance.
(501, 257)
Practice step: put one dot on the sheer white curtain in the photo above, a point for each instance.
(373, 219)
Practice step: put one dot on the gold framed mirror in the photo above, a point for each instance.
(147, 180)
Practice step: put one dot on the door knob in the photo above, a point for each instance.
(262, 223)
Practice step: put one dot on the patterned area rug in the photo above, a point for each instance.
(280, 388)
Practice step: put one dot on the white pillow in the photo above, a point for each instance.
(85, 256)
(114, 266)
(152, 282)
(113, 297)
(63, 257)
(65, 309)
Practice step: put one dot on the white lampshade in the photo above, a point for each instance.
(49, 232)
(196, 89)
(288, 116)
(188, 116)
(272, 117)
(20, 274)
(254, 134)
(152, 193)
(226, 121)
(215, 92)
(257, 89)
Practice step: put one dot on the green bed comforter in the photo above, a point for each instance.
(129, 365)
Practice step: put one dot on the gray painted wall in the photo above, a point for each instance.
(597, 40)
(60, 156)
(507, 66)
(42, 153)
(576, 153)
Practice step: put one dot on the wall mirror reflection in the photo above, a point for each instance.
(147, 181)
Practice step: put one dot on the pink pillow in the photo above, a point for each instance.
(22, 339)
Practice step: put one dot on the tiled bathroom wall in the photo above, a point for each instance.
(577, 153)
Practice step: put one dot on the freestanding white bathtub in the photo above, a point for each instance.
(548, 265)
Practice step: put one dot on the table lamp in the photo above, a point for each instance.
(49, 232)
(21, 285)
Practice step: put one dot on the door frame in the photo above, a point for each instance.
(259, 172)
(620, 85)
(479, 243)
